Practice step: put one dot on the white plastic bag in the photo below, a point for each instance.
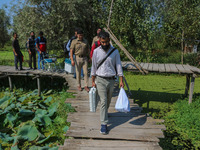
(92, 99)
(122, 104)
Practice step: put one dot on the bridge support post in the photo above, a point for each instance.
(10, 83)
(187, 85)
(191, 88)
(39, 87)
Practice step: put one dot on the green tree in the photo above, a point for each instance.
(56, 18)
(4, 23)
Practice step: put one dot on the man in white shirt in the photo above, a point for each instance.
(104, 76)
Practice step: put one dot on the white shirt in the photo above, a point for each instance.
(110, 65)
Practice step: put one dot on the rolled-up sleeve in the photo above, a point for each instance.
(118, 65)
(94, 65)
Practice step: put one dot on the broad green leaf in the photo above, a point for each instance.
(48, 92)
(11, 119)
(52, 109)
(5, 137)
(43, 140)
(5, 98)
(4, 102)
(15, 148)
(48, 99)
(1, 147)
(28, 132)
(35, 92)
(25, 112)
(65, 128)
(21, 99)
(10, 107)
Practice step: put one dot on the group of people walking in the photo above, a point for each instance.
(33, 45)
(106, 64)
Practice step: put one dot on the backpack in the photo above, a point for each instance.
(65, 47)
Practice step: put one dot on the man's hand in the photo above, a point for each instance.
(16, 54)
(40, 51)
(93, 84)
(29, 52)
(121, 82)
(73, 63)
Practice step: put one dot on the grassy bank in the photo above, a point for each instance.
(162, 97)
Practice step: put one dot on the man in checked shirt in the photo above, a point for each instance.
(105, 76)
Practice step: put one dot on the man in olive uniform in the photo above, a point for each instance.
(80, 48)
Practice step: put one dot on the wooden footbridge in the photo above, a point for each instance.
(134, 130)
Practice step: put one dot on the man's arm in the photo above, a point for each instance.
(37, 45)
(28, 46)
(121, 82)
(14, 48)
(68, 45)
(72, 47)
(93, 81)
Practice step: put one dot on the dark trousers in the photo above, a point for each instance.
(32, 56)
(18, 58)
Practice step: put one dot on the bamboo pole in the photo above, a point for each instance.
(125, 51)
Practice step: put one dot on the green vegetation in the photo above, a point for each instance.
(30, 122)
(44, 117)
(162, 96)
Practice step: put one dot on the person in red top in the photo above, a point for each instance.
(95, 45)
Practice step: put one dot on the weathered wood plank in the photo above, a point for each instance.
(103, 144)
(181, 69)
(167, 68)
(150, 67)
(161, 68)
(173, 68)
(155, 67)
(146, 66)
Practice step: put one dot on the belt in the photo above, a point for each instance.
(81, 56)
(108, 78)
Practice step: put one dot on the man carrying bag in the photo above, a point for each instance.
(106, 64)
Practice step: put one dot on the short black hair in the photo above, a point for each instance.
(14, 33)
(76, 29)
(41, 33)
(80, 31)
(104, 35)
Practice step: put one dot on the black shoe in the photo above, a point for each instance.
(104, 129)
(35, 69)
(16, 69)
(21, 69)
(30, 68)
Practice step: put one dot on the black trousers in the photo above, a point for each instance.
(32, 56)
(18, 58)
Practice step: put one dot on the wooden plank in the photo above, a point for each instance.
(103, 144)
(187, 67)
(181, 69)
(155, 67)
(167, 68)
(146, 66)
(118, 134)
(195, 69)
(150, 68)
(173, 68)
(161, 68)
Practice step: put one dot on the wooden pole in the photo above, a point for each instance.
(111, 6)
(191, 89)
(126, 52)
(187, 85)
(10, 83)
(182, 47)
(39, 87)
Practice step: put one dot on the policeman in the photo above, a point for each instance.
(80, 48)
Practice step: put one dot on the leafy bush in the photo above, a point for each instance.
(32, 122)
(183, 125)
